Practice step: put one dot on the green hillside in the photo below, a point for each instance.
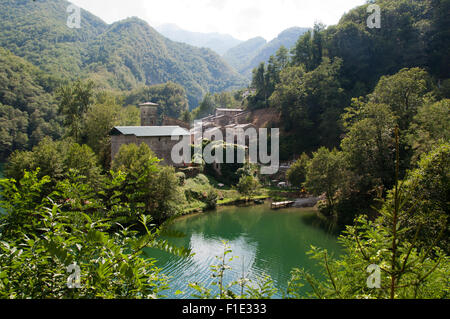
(248, 55)
(240, 56)
(37, 31)
(122, 55)
(346, 61)
(28, 111)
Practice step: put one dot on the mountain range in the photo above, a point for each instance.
(129, 54)
(248, 55)
(219, 43)
(243, 56)
(123, 55)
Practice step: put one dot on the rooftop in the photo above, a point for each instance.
(149, 131)
(148, 104)
(229, 110)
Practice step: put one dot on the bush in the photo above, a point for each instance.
(181, 178)
(39, 241)
(248, 186)
(296, 174)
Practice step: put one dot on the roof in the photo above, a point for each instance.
(244, 125)
(242, 114)
(211, 130)
(148, 104)
(149, 131)
(229, 110)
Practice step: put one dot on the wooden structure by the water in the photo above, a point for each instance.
(278, 205)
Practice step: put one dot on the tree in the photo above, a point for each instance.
(206, 107)
(248, 169)
(439, 38)
(296, 174)
(148, 187)
(39, 241)
(302, 52)
(304, 97)
(308, 49)
(404, 268)
(368, 147)
(427, 191)
(248, 186)
(130, 116)
(55, 159)
(259, 83)
(282, 58)
(405, 92)
(74, 101)
(132, 157)
(28, 111)
(271, 77)
(224, 100)
(324, 174)
(429, 127)
(186, 117)
(170, 97)
(13, 130)
(100, 119)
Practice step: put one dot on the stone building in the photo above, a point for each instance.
(149, 114)
(158, 138)
(228, 112)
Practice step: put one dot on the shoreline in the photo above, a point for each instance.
(251, 202)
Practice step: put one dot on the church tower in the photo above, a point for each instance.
(149, 114)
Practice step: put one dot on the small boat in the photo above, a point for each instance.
(278, 205)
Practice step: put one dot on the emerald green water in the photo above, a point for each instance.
(264, 240)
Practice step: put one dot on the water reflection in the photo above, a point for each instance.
(264, 241)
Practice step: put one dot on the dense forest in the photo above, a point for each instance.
(346, 61)
(122, 56)
(364, 115)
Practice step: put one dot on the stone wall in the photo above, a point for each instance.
(161, 146)
(170, 121)
(242, 118)
(149, 115)
(228, 112)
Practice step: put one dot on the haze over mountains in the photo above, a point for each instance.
(247, 55)
(243, 56)
(220, 43)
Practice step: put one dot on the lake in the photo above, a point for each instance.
(265, 241)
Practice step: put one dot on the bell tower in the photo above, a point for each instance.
(149, 114)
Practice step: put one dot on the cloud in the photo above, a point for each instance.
(217, 4)
(243, 19)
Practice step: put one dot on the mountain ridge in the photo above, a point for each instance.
(123, 55)
(249, 54)
(218, 42)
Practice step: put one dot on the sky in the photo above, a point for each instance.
(243, 19)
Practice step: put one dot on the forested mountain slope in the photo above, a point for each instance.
(249, 54)
(330, 66)
(121, 56)
(241, 55)
(28, 111)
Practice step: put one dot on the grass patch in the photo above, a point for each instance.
(197, 190)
